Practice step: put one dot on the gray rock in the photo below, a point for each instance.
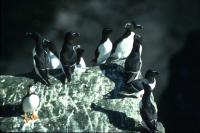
(76, 106)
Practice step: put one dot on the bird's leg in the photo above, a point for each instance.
(26, 118)
(34, 116)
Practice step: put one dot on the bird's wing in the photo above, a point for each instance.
(96, 54)
(52, 47)
(115, 44)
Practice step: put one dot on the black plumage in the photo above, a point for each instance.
(133, 62)
(68, 55)
(40, 57)
(148, 111)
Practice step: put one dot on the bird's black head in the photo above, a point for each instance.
(70, 36)
(107, 31)
(80, 51)
(151, 73)
(133, 25)
(33, 35)
(46, 41)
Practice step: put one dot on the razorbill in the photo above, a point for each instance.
(133, 63)
(30, 103)
(68, 55)
(104, 48)
(148, 111)
(137, 87)
(40, 57)
(123, 46)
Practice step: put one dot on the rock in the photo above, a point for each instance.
(78, 106)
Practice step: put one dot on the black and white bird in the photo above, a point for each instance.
(40, 57)
(133, 63)
(51, 50)
(148, 110)
(123, 46)
(30, 104)
(68, 55)
(80, 63)
(136, 86)
(104, 48)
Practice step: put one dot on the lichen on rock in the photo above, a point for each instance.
(79, 106)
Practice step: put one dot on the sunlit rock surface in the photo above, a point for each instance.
(77, 106)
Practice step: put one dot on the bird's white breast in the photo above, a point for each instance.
(152, 85)
(81, 63)
(124, 47)
(104, 51)
(54, 61)
(31, 103)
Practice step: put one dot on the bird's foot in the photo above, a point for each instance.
(34, 116)
(27, 119)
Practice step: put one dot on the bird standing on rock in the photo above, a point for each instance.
(104, 48)
(68, 55)
(133, 63)
(136, 86)
(123, 46)
(40, 57)
(148, 110)
(30, 103)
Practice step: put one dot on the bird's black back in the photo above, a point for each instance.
(68, 55)
(132, 62)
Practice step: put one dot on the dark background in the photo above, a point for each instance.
(171, 43)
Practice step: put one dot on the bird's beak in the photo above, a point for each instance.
(76, 34)
(128, 25)
(46, 41)
(156, 73)
(139, 26)
(28, 34)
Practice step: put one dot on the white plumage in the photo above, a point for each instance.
(124, 47)
(81, 63)
(104, 50)
(31, 103)
(54, 61)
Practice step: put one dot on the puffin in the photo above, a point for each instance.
(133, 63)
(30, 104)
(122, 47)
(104, 48)
(68, 55)
(40, 57)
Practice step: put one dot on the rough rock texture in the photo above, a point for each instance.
(85, 104)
